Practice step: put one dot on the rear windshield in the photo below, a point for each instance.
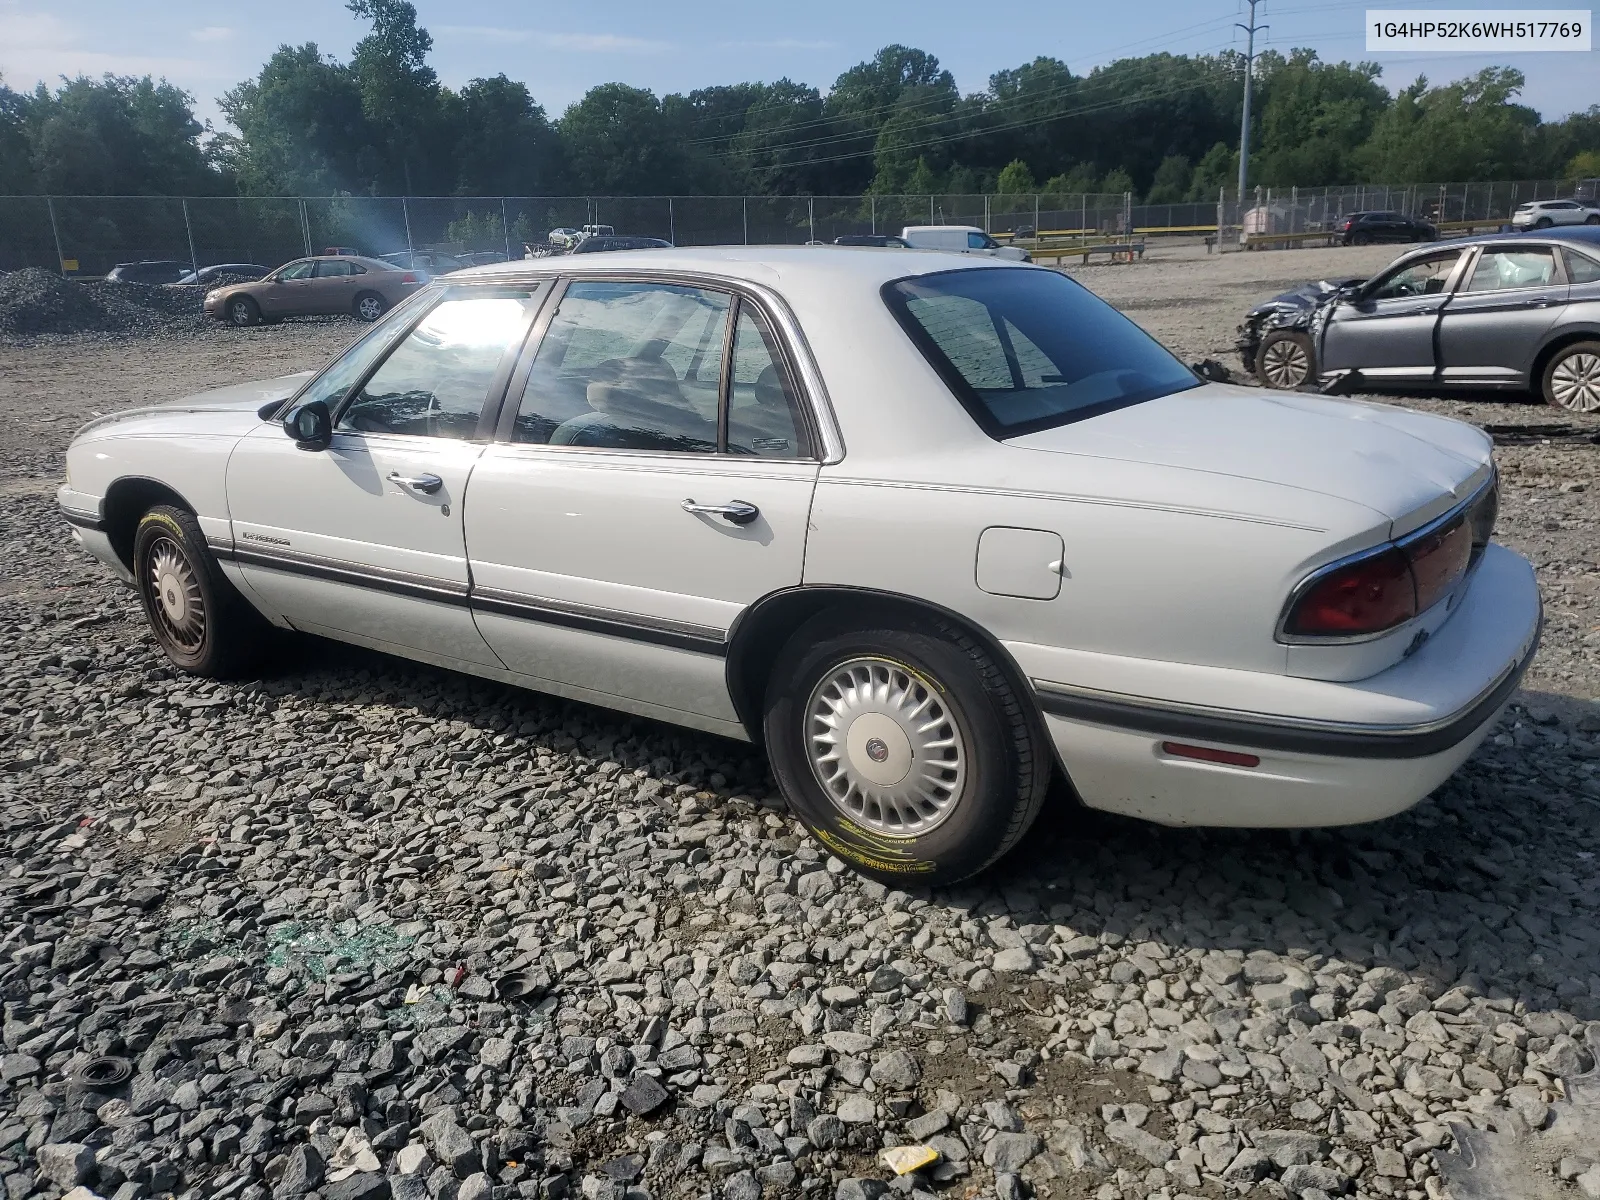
(1026, 349)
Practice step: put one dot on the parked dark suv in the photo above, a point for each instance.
(1362, 228)
(149, 271)
(1516, 311)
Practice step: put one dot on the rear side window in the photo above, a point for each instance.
(1581, 268)
(1026, 349)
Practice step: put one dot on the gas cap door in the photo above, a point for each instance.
(1020, 562)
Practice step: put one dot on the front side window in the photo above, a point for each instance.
(1424, 277)
(628, 366)
(977, 241)
(436, 381)
(335, 382)
(1025, 349)
(296, 270)
(1504, 270)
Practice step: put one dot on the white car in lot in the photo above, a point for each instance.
(1542, 214)
(933, 530)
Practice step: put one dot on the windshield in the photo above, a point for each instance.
(1026, 349)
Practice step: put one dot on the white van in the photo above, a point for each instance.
(963, 239)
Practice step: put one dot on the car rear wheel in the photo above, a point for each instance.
(243, 311)
(1543, 223)
(1286, 360)
(200, 621)
(1360, 239)
(369, 306)
(904, 747)
(1572, 378)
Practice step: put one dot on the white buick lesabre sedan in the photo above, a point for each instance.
(931, 529)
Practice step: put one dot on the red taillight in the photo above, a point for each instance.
(1389, 587)
(1232, 758)
(1438, 561)
(1346, 226)
(408, 277)
(1367, 596)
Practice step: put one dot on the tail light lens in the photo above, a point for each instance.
(408, 277)
(1392, 584)
(1367, 596)
(1346, 226)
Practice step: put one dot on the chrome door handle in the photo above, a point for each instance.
(1537, 303)
(426, 484)
(735, 512)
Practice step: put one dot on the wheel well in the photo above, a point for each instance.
(126, 501)
(1546, 353)
(761, 631)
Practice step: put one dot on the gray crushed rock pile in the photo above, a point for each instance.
(35, 301)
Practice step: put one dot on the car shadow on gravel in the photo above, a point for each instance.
(1490, 879)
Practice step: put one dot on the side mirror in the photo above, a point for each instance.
(310, 425)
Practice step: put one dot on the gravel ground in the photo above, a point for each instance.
(366, 929)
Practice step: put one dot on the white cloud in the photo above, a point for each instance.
(212, 33)
(588, 43)
(37, 46)
(778, 44)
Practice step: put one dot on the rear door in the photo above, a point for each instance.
(1386, 330)
(334, 287)
(647, 486)
(1494, 323)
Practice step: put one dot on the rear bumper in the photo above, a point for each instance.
(1330, 753)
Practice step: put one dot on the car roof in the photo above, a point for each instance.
(783, 267)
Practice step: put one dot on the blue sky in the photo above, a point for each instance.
(561, 50)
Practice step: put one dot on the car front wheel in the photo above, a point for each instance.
(1286, 360)
(1572, 378)
(904, 747)
(199, 619)
(369, 306)
(243, 311)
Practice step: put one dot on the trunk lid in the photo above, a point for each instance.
(1409, 466)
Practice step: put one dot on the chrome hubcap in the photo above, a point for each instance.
(1575, 382)
(179, 607)
(884, 747)
(241, 311)
(1285, 364)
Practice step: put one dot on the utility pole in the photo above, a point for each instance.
(1249, 70)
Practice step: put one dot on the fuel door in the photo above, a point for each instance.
(1026, 563)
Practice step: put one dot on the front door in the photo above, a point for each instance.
(1386, 330)
(364, 539)
(1493, 325)
(646, 487)
(287, 290)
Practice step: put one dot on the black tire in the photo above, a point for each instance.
(1361, 239)
(200, 621)
(1286, 360)
(1592, 219)
(369, 306)
(1571, 379)
(242, 311)
(993, 775)
(1543, 223)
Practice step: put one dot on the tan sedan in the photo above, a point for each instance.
(320, 286)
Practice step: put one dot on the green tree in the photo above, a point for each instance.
(618, 142)
(504, 145)
(1116, 182)
(1584, 165)
(1016, 179)
(302, 129)
(1218, 168)
(400, 97)
(1081, 178)
(1315, 116)
(1172, 181)
(1467, 130)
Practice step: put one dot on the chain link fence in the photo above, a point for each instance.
(88, 235)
